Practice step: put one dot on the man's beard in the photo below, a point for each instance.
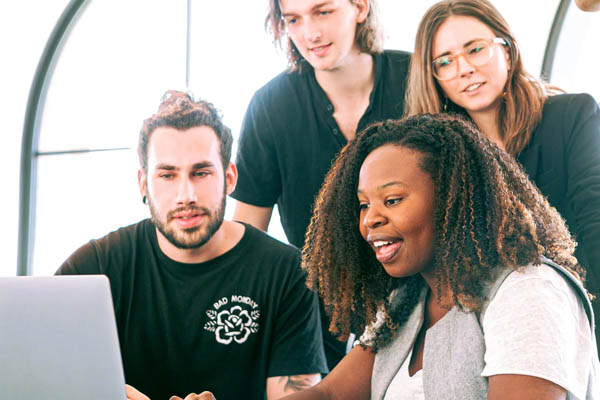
(191, 238)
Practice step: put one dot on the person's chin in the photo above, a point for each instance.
(398, 272)
(480, 103)
(398, 269)
(327, 63)
(320, 65)
(189, 242)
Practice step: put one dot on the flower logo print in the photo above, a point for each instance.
(235, 324)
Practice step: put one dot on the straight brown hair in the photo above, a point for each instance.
(524, 95)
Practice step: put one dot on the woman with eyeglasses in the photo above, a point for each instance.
(466, 60)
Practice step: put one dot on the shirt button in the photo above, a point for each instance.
(335, 131)
(329, 107)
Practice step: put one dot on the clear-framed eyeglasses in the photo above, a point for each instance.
(477, 53)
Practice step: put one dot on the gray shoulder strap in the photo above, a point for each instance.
(492, 289)
(577, 286)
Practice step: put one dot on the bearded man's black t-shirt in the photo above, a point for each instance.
(224, 325)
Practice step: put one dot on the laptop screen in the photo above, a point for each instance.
(58, 339)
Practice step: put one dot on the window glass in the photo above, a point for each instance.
(24, 34)
(119, 60)
(81, 197)
(575, 67)
(232, 56)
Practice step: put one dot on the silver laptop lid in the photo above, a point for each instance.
(58, 339)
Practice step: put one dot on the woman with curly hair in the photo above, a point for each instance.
(433, 242)
(467, 60)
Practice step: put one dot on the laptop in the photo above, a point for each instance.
(58, 339)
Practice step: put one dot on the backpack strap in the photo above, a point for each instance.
(491, 292)
(577, 286)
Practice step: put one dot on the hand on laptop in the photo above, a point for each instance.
(134, 394)
(194, 396)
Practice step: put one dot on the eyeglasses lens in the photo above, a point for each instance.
(477, 54)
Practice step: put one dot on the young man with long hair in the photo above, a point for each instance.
(339, 80)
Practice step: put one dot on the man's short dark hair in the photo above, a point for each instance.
(179, 110)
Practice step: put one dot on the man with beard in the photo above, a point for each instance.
(202, 303)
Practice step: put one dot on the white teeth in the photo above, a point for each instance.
(380, 243)
(472, 87)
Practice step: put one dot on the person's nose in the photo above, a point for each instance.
(186, 192)
(312, 30)
(374, 217)
(464, 66)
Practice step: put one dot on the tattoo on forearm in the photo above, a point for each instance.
(296, 382)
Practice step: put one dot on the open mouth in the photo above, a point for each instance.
(473, 87)
(386, 250)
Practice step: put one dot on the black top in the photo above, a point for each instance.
(563, 159)
(289, 138)
(224, 325)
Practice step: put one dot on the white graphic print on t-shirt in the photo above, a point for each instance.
(233, 319)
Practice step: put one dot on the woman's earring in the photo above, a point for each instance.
(445, 104)
(145, 200)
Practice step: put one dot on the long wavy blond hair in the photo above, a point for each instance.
(524, 96)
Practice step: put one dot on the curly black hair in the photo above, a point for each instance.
(487, 216)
